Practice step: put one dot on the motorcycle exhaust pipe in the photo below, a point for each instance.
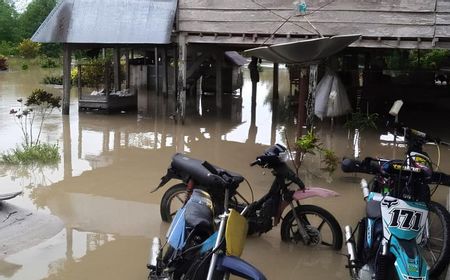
(154, 253)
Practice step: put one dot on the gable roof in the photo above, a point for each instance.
(109, 22)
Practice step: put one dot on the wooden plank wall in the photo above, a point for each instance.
(370, 18)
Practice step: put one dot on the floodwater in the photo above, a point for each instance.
(109, 163)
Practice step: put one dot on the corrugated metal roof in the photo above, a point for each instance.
(306, 51)
(109, 22)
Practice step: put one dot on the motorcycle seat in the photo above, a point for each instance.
(189, 168)
(198, 215)
(373, 209)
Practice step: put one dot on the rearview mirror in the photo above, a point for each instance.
(395, 109)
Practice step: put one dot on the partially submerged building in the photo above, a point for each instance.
(195, 31)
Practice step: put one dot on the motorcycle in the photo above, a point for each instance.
(396, 226)
(309, 224)
(194, 249)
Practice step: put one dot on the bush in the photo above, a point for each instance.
(28, 48)
(3, 63)
(53, 80)
(8, 48)
(41, 153)
(47, 62)
(24, 66)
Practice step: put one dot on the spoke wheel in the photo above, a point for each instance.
(435, 247)
(322, 228)
(172, 200)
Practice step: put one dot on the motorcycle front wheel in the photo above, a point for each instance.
(321, 226)
(436, 247)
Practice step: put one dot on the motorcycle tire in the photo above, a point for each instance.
(437, 214)
(168, 209)
(303, 211)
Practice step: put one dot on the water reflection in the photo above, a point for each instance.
(100, 189)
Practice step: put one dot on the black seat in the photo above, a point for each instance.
(189, 168)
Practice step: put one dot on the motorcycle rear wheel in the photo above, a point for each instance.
(175, 197)
(314, 218)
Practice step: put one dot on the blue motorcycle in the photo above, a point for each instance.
(195, 247)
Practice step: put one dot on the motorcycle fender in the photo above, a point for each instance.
(166, 178)
(409, 264)
(238, 267)
(314, 192)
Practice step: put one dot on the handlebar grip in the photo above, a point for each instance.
(255, 162)
(441, 178)
(210, 167)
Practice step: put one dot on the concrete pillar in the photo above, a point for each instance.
(219, 86)
(302, 94)
(275, 81)
(67, 147)
(182, 65)
(67, 61)
(117, 69)
(156, 71)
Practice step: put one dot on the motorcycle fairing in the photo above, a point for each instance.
(314, 192)
(175, 234)
(405, 220)
(209, 243)
(409, 264)
(235, 233)
(238, 267)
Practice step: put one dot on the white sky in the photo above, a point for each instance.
(21, 5)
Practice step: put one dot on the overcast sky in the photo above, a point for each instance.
(21, 5)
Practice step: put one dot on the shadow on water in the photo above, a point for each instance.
(101, 188)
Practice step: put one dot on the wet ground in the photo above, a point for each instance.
(109, 163)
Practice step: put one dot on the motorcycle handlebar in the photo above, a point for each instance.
(368, 166)
(258, 161)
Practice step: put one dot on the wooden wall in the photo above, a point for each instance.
(423, 19)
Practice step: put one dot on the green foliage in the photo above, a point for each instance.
(53, 80)
(330, 160)
(36, 12)
(308, 143)
(24, 66)
(3, 63)
(8, 48)
(38, 106)
(361, 121)
(8, 24)
(47, 62)
(40, 153)
(432, 59)
(28, 48)
(92, 73)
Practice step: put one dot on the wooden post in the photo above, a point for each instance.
(67, 147)
(117, 69)
(165, 77)
(182, 64)
(127, 62)
(302, 93)
(311, 95)
(156, 71)
(219, 87)
(275, 81)
(67, 61)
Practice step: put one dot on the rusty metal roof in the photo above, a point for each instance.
(109, 22)
(305, 51)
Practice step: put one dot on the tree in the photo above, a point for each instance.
(8, 18)
(36, 12)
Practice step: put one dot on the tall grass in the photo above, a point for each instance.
(26, 155)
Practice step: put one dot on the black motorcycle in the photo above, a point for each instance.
(309, 224)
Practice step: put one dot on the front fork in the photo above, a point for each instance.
(301, 227)
(351, 249)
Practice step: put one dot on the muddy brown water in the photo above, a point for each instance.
(101, 187)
